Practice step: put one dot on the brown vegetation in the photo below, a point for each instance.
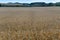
(30, 23)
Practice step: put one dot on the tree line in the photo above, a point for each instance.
(33, 4)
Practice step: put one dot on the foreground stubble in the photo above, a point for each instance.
(30, 23)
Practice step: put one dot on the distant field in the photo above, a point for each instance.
(24, 23)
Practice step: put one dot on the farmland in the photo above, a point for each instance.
(29, 23)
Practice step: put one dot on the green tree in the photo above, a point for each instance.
(0, 5)
(57, 4)
(50, 4)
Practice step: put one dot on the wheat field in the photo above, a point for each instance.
(30, 23)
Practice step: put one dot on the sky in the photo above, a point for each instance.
(28, 1)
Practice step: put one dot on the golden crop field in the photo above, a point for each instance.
(29, 23)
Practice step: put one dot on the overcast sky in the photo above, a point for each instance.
(29, 1)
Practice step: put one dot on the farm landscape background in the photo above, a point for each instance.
(32, 4)
(30, 23)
